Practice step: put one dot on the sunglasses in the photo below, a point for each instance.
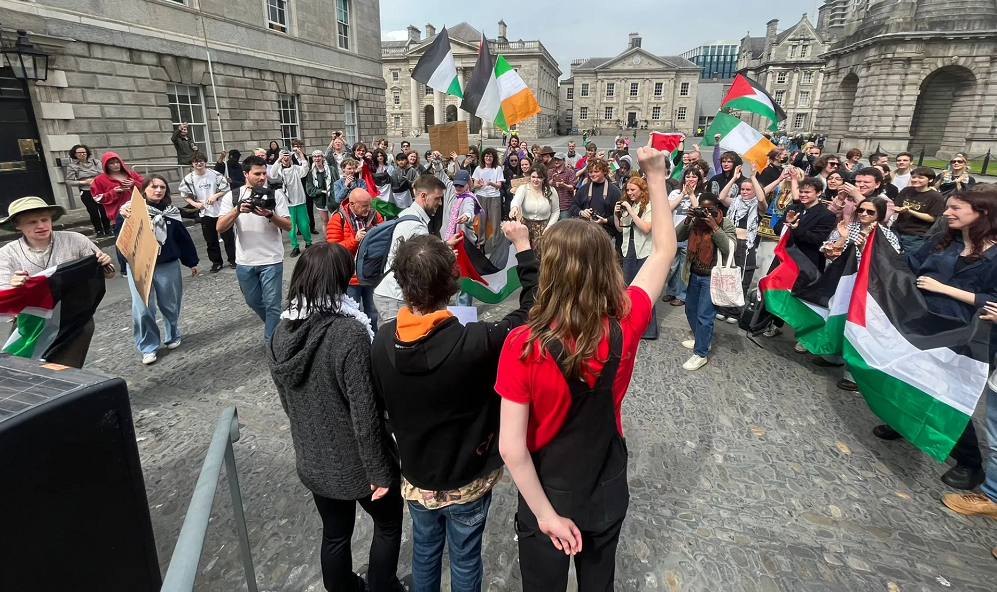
(957, 161)
(870, 212)
(833, 164)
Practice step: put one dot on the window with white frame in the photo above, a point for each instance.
(607, 113)
(350, 122)
(343, 24)
(287, 109)
(396, 98)
(571, 93)
(585, 89)
(684, 89)
(779, 95)
(398, 122)
(780, 78)
(610, 90)
(634, 89)
(583, 113)
(804, 99)
(804, 50)
(680, 113)
(187, 106)
(792, 51)
(799, 120)
(394, 76)
(808, 77)
(655, 113)
(277, 15)
(659, 88)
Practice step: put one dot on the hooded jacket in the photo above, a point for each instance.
(322, 371)
(102, 188)
(339, 230)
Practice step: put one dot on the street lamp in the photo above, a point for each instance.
(27, 61)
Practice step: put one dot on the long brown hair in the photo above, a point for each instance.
(581, 285)
(983, 200)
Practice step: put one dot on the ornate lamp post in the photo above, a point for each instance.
(27, 61)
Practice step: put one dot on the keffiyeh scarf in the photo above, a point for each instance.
(347, 308)
(159, 217)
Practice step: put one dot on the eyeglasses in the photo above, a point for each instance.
(869, 212)
(957, 161)
(833, 164)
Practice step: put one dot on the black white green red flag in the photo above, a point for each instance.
(437, 69)
(747, 95)
(490, 280)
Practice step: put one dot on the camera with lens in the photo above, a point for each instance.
(701, 212)
(261, 197)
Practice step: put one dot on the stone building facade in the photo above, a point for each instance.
(914, 75)
(407, 117)
(634, 89)
(123, 77)
(789, 65)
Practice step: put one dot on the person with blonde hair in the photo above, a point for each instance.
(562, 379)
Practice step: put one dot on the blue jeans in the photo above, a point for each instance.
(990, 485)
(167, 292)
(564, 215)
(262, 286)
(460, 525)
(700, 312)
(364, 296)
(909, 243)
(676, 287)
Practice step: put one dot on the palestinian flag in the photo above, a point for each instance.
(920, 372)
(496, 93)
(52, 307)
(814, 304)
(747, 95)
(737, 136)
(387, 209)
(436, 68)
(490, 280)
(667, 143)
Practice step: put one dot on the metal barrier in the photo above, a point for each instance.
(187, 553)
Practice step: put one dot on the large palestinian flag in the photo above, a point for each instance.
(490, 280)
(52, 307)
(436, 68)
(814, 304)
(920, 372)
(747, 95)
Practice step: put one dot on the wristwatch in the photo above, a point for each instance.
(270, 215)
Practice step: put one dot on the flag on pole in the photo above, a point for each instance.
(747, 95)
(490, 280)
(496, 93)
(52, 307)
(920, 372)
(436, 68)
(739, 137)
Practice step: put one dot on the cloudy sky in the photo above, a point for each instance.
(668, 27)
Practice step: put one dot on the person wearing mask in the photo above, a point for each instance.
(203, 190)
(318, 186)
(571, 467)
(175, 247)
(39, 248)
(867, 182)
(901, 175)
(402, 179)
(112, 188)
(290, 175)
(259, 247)
(680, 201)
(773, 172)
(633, 220)
(273, 152)
(80, 173)
(436, 378)
(183, 143)
(956, 273)
(852, 158)
(956, 177)
(536, 206)
(744, 211)
(563, 180)
(347, 226)
(806, 159)
(487, 182)
(595, 200)
(726, 164)
(230, 164)
(917, 207)
(341, 446)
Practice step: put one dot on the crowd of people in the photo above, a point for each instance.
(411, 395)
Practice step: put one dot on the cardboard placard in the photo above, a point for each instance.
(517, 183)
(449, 137)
(138, 244)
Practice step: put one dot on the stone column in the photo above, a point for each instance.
(414, 100)
(439, 115)
(461, 114)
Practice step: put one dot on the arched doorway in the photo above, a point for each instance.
(451, 113)
(428, 118)
(475, 125)
(943, 111)
(842, 117)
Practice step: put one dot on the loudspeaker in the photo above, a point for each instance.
(73, 509)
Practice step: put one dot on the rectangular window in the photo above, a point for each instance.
(655, 113)
(780, 78)
(187, 106)
(808, 77)
(585, 89)
(799, 120)
(350, 122)
(792, 51)
(287, 108)
(804, 99)
(779, 94)
(343, 23)
(684, 89)
(396, 98)
(659, 88)
(610, 90)
(394, 76)
(608, 113)
(277, 15)
(571, 93)
(634, 89)
(398, 122)
(429, 89)
(680, 114)
(583, 113)
(804, 50)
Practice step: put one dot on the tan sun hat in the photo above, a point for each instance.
(29, 204)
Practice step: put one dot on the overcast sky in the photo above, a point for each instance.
(668, 27)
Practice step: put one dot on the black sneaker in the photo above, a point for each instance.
(308, 246)
(215, 268)
(231, 264)
(962, 477)
(885, 432)
(295, 252)
(847, 385)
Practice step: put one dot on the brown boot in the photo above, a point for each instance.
(971, 504)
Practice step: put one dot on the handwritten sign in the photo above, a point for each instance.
(517, 183)
(449, 137)
(138, 244)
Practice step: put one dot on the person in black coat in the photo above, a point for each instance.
(596, 199)
(809, 221)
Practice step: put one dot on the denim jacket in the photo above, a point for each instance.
(979, 277)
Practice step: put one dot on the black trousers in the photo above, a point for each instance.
(74, 352)
(967, 449)
(545, 569)
(310, 204)
(98, 217)
(337, 529)
(210, 231)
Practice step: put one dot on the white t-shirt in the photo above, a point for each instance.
(901, 181)
(493, 175)
(203, 187)
(258, 241)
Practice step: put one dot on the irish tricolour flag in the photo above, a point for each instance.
(920, 372)
(747, 95)
(737, 136)
(52, 307)
(490, 280)
(496, 93)
(436, 68)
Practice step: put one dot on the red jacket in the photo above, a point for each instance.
(340, 230)
(102, 188)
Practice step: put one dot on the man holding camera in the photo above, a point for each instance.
(258, 216)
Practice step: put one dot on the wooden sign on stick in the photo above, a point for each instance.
(449, 137)
(138, 244)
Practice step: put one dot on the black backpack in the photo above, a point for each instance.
(754, 316)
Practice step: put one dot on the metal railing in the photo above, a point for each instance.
(187, 553)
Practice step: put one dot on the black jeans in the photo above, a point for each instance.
(967, 448)
(210, 231)
(98, 217)
(545, 569)
(337, 529)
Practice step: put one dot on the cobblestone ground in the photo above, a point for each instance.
(752, 474)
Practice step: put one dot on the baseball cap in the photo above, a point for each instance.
(462, 178)
(560, 156)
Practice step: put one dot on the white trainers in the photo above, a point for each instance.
(721, 317)
(800, 348)
(694, 363)
(173, 344)
(149, 358)
(731, 320)
(689, 344)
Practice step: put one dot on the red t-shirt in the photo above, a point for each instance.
(538, 381)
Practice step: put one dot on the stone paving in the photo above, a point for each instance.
(754, 473)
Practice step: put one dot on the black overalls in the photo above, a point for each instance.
(583, 470)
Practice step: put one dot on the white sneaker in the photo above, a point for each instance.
(694, 363)
(800, 348)
(731, 320)
(689, 344)
(772, 331)
(149, 358)
(173, 344)
(721, 317)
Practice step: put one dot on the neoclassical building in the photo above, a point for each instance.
(407, 116)
(633, 89)
(789, 65)
(913, 75)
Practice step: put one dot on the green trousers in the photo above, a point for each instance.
(299, 223)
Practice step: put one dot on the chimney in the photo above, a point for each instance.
(430, 31)
(771, 30)
(634, 41)
(502, 37)
(413, 34)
